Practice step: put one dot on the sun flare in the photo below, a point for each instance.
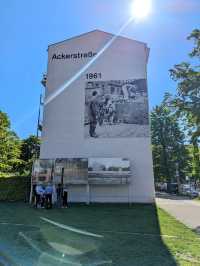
(141, 8)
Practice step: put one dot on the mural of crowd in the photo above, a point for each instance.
(115, 102)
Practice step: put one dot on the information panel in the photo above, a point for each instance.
(82, 171)
(108, 170)
(42, 171)
(73, 171)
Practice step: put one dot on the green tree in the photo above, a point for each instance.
(9, 147)
(187, 99)
(30, 150)
(169, 152)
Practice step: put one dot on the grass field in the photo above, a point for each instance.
(120, 235)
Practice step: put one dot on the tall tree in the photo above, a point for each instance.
(169, 153)
(9, 146)
(30, 150)
(187, 99)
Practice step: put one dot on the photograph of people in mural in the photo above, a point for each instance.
(116, 108)
(42, 171)
(108, 170)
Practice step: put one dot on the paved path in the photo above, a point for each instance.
(185, 210)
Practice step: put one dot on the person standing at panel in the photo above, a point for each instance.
(34, 195)
(54, 194)
(65, 197)
(39, 195)
(42, 196)
(93, 112)
(59, 193)
(48, 196)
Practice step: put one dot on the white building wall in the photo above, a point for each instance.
(63, 125)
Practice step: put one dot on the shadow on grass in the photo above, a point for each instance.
(126, 235)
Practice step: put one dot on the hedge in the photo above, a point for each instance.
(14, 188)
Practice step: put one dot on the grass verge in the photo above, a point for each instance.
(137, 235)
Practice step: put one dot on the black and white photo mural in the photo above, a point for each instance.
(116, 108)
(71, 171)
(108, 170)
(42, 171)
(76, 171)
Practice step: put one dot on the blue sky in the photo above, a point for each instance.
(28, 27)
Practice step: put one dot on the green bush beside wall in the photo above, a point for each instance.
(14, 188)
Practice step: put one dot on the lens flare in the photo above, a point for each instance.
(141, 8)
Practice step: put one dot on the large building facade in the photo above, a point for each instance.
(96, 110)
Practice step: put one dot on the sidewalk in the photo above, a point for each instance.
(185, 210)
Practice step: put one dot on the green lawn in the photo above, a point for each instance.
(120, 235)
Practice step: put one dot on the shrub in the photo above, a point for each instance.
(14, 188)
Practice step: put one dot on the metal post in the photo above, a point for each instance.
(178, 177)
(129, 194)
(38, 120)
(87, 194)
(31, 192)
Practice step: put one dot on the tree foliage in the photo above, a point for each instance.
(16, 156)
(9, 146)
(187, 99)
(169, 152)
(30, 150)
(195, 36)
